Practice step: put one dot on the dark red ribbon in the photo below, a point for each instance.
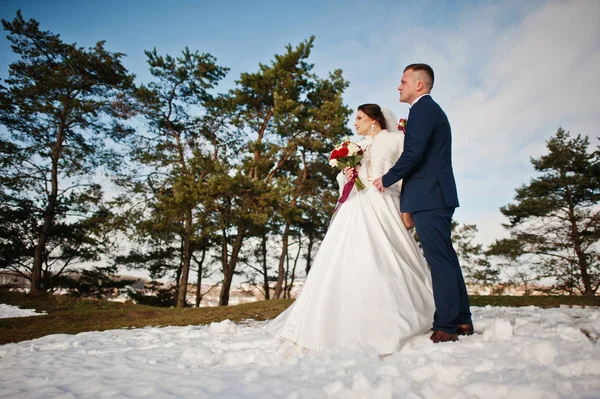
(346, 191)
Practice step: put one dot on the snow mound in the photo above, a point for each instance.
(8, 311)
(499, 330)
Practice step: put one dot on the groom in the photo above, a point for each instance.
(429, 194)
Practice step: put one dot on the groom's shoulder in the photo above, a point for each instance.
(430, 102)
(434, 107)
(425, 102)
(428, 105)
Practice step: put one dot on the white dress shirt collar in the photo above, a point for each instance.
(418, 98)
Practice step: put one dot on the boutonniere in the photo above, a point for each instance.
(402, 125)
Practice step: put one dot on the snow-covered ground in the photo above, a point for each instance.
(7, 311)
(516, 353)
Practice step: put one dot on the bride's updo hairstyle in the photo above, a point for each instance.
(373, 111)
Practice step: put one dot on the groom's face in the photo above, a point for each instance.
(408, 87)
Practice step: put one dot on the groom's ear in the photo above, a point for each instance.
(420, 85)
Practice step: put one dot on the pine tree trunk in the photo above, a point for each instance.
(281, 269)
(583, 266)
(229, 269)
(177, 278)
(36, 273)
(293, 275)
(581, 258)
(265, 269)
(187, 257)
(198, 290)
(311, 240)
(199, 280)
(287, 273)
(224, 295)
(297, 191)
(224, 263)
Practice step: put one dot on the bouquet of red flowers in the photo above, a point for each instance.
(347, 154)
(402, 125)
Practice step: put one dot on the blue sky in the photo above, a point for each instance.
(508, 73)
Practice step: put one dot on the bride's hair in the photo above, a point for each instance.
(373, 111)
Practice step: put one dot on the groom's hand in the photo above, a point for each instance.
(379, 184)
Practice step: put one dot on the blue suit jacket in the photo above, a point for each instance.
(425, 165)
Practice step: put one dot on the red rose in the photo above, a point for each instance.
(343, 152)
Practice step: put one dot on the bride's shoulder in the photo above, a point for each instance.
(392, 137)
(364, 142)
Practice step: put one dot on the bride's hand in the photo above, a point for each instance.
(349, 172)
(407, 220)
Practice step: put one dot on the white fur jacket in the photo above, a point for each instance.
(381, 153)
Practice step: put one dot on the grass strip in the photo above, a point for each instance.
(67, 315)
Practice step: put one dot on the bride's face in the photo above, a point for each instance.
(362, 123)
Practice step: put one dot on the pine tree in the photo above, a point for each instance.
(167, 185)
(473, 260)
(58, 109)
(295, 118)
(555, 222)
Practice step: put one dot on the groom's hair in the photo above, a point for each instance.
(423, 68)
(373, 111)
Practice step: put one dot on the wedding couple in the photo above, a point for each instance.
(370, 283)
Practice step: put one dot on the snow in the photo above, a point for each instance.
(516, 353)
(499, 330)
(7, 311)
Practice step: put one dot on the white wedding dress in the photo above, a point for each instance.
(370, 284)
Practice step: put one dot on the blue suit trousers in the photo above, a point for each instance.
(434, 229)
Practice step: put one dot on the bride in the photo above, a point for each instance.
(369, 284)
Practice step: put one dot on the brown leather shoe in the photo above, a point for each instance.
(441, 336)
(464, 329)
